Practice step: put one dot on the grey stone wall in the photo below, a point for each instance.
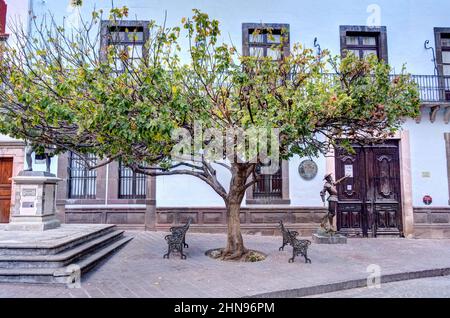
(206, 220)
(432, 222)
(263, 220)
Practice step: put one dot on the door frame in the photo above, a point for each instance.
(406, 201)
(13, 149)
(8, 160)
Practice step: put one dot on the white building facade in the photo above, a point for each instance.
(400, 188)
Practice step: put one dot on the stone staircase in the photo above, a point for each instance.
(60, 260)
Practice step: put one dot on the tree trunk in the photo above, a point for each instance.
(235, 244)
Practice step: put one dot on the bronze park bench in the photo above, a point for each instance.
(286, 235)
(299, 247)
(177, 240)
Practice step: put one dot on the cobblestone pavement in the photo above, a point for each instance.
(436, 287)
(138, 269)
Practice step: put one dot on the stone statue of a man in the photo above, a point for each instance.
(29, 149)
(28, 152)
(330, 188)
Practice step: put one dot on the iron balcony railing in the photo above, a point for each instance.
(432, 88)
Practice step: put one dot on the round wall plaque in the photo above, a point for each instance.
(307, 169)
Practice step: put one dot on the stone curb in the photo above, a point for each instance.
(352, 284)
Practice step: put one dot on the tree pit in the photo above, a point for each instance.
(251, 256)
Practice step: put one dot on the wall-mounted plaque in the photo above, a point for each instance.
(28, 192)
(426, 174)
(308, 169)
(27, 205)
(28, 200)
(348, 171)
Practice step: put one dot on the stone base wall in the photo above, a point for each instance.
(125, 218)
(429, 222)
(254, 220)
(432, 222)
(261, 220)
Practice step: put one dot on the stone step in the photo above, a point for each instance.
(92, 260)
(63, 275)
(61, 259)
(52, 248)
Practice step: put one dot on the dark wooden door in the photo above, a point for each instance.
(370, 201)
(6, 165)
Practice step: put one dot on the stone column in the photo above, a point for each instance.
(113, 183)
(150, 205)
(35, 202)
(406, 185)
(285, 182)
(62, 188)
(100, 195)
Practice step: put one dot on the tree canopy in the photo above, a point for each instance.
(62, 88)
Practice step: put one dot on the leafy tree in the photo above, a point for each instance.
(61, 89)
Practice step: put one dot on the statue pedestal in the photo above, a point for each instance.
(34, 205)
(322, 237)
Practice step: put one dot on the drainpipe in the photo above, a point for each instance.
(30, 17)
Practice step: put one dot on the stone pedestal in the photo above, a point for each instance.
(322, 237)
(35, 205)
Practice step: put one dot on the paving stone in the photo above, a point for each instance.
(138, 269)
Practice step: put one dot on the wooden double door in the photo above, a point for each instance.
(370, 199)
(6, 167)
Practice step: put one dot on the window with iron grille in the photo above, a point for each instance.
(265, 40)
(132, 185)
(364, 41)
(82, 182)
(269, 186)
(128, 39)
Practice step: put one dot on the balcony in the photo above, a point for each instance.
(433, 89)
(434, 94)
